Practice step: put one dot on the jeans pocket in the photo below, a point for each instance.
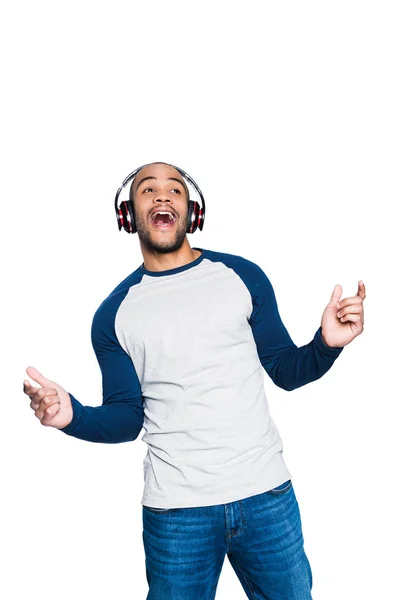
(281, 489)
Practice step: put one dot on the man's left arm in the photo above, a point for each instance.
(288, 365)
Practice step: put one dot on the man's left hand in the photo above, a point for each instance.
(343, 320)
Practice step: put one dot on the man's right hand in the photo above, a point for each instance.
(51, 403)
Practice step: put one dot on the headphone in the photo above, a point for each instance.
(126, 219)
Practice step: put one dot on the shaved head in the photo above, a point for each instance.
(149, 171)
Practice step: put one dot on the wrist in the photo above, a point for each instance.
(325, 342)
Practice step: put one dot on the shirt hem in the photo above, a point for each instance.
(281, 475)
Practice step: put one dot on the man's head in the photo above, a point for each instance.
(145, 171)
(160, 187)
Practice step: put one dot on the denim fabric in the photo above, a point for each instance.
(262, 536)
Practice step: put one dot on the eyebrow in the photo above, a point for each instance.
(171, 178)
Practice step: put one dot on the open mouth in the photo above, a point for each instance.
(163, 219)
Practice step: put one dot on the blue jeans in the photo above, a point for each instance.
(185, 548)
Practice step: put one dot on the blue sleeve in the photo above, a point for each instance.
(289, 366)
(120, 417)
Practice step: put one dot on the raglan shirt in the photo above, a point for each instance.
(183, 355)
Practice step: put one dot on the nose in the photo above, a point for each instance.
(162, 198)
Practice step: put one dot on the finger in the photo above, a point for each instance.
(351, 317)
(46, 403)
(29, 390)
(42, 393)
(337, 292)
(43, 403)
(46, 391)
(50, 412)
(34, 405)
(361, 290)
(38, 377)
(353, 308)
(353, 300)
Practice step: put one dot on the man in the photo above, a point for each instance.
(183, 344)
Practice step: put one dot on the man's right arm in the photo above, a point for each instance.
(120, 417)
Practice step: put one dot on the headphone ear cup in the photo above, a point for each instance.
(191, 225)
(199, 216)
(195, 217)
(128, 219)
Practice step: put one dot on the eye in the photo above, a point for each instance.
(152, 190)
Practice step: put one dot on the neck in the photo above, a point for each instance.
(161, 261)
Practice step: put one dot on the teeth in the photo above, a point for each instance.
(164, 212)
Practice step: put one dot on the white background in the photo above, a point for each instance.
(287, 116)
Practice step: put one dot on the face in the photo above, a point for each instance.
(160, 187)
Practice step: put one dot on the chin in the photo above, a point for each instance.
(168, 244)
